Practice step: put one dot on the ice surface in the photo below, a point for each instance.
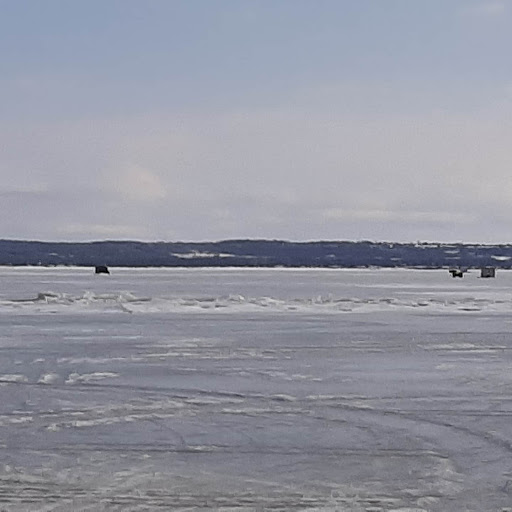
(228, 389)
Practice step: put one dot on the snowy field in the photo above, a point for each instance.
(248, 390)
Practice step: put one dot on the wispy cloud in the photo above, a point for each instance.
(297, 171)
(99, 231)
(135, 183)
(418, 217)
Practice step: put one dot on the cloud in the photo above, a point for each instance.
(417, 217)
(100, 231)
(293, 172)
(135, 183)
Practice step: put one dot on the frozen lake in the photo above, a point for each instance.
(240, 390)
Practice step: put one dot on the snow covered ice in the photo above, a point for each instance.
(255, 389)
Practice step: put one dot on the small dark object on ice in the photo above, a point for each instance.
(101, 269)
(488, 272)
(457, 272)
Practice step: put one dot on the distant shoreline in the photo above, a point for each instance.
(255, 254)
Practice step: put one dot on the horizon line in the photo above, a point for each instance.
(288, 241)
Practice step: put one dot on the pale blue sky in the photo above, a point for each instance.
(294, 119)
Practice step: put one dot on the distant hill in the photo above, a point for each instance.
(254, 253)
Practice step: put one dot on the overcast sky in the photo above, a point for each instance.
(292, 119)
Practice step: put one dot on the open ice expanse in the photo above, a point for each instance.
(241, 390)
